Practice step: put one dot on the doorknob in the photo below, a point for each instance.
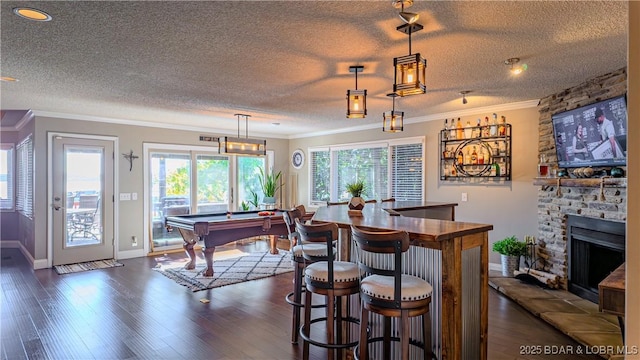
(57, 198)
(56, 207)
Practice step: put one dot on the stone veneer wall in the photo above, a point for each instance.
(554, 205)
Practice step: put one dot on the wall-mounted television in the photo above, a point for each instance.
(592, 135)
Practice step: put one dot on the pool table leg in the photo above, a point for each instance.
(188, 248)
(208, 256)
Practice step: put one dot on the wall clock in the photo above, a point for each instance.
(297, 159)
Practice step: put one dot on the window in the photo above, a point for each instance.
(6, 176)
(319, 161)
(406, 171)
(24, 177)
(389, 169)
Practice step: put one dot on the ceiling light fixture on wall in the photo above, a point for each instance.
(464, 96)
(356, 99)
(393, 121)
(32, 14)
(242, 146)
(515, 69)
(410, 70)
(407, 17)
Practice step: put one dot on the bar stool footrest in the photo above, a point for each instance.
(290, 301)
(325, 345)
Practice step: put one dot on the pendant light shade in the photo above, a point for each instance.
(242, 146)
(356, 99)
(410, 70)
(393, 121)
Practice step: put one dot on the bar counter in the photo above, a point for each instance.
(451, 255)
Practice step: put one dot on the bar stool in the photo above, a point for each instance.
(294, 298)
(386, 291)
(331, 278)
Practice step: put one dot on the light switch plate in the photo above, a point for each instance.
(125, 196)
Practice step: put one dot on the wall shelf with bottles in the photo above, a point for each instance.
(480, 151)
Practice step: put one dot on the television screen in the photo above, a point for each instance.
(592, 135)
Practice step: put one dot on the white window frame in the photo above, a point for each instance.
(8, 204)
(387, 143)
(24, 177)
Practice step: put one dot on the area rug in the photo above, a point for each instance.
(228, 271)
(85, 266)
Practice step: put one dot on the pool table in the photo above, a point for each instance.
(222, 228)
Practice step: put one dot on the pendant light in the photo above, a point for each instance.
(356, 99)
(410, 70)
(242, 146)
(392, 121)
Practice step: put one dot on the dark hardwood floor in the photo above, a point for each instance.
(133, 312)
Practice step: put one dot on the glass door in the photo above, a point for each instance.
(170, 191)
(82, 200)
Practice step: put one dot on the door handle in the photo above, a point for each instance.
(56, 207)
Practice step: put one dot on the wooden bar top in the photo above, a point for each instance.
(376, 216)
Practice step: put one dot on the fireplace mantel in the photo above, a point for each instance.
(589, 182)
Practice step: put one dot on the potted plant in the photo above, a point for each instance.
(269, 185)
(510, 250)
(356, 189)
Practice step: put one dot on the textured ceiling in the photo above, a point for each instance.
(195, 64)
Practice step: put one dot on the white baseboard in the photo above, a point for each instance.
(129, 254)
(15, 244)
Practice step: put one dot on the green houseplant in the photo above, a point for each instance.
(510, 250)
(356, 189)
(269, 184)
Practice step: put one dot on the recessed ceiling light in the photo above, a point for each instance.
(276, 123)
(8, 79)
(32, 14)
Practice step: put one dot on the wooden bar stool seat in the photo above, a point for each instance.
(331, 278)
(386, 291)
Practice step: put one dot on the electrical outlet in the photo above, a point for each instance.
(134, 241)
(134, 196)
(464, 197)
(125, 196)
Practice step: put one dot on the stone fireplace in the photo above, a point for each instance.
(590, 199)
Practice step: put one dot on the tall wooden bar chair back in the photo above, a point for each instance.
(294, 298)
(387, 291)
(333, 279)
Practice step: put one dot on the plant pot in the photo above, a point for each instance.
(269, 200)
(509, 264)
(356, 203)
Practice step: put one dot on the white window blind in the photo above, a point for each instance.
(24, 177)
(393, 169)
(407, 172)
(7, 172)
(319, 162)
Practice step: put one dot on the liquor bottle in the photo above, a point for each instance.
(452, 131)
(494, 125)
(495, 148)
(474, 157)
(503, 126)
(496, 169)
(477, 129)
(481, 156)
(468, 130)
(445, 132)
(454, 172)
(467, 158)
(459, 133)
(485, 128)
(460, 158)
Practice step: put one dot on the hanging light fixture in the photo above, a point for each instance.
(410, 70)
(356, 99)
(242, 146)
(393, 120)
(464, 96)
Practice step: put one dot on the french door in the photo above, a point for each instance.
(82, 199)
(188, 181)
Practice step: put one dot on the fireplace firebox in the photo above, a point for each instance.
(596, 247)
